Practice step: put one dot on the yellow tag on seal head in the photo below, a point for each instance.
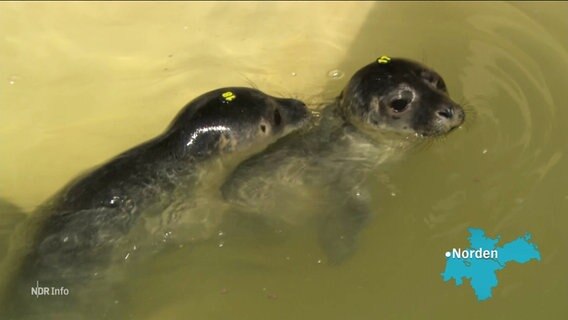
(384, 59)
(228, 96)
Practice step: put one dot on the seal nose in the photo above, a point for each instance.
(298, 104)
(447, 112)
(451, 114)
(295, 111)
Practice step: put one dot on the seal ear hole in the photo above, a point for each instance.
(399, 105)
(277, 117)
(263, 128)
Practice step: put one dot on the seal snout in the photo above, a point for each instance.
(295, 112)
(450, 115)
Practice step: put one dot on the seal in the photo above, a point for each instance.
(76, 231)
(386, 107)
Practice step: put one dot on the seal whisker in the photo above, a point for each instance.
(421, 145)
(471, 114)
(314, 102)
(249, 81)
(424, 57)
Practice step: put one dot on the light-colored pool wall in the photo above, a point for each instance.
(81, 82)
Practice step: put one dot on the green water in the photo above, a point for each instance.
(81, 82)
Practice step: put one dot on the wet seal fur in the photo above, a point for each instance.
(75, 232)
(385, 107)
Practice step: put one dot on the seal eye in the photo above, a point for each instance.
(277, 117)
(399, 105)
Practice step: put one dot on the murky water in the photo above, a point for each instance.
(80, 83)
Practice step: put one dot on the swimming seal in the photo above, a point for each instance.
(385, 107)
(76, 231)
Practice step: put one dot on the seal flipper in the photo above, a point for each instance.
(341, 226)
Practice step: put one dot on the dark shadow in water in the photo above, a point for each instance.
(10, 217)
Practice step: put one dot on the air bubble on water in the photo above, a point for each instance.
(221, 244)
(127, 255)
(335, 74)
(12, 79)
(293, 74)
(167, 236)
(484, 151)
(221, 233)
(393, 194)
(319, 261)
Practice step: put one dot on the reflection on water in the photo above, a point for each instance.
(81, 83)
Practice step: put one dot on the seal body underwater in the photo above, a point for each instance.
(385, 108)
(75, 232)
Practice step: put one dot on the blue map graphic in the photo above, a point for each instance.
(481, 272)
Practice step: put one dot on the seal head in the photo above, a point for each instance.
(234, 119)
(402, 96)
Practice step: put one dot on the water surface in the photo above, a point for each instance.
(82, 82)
